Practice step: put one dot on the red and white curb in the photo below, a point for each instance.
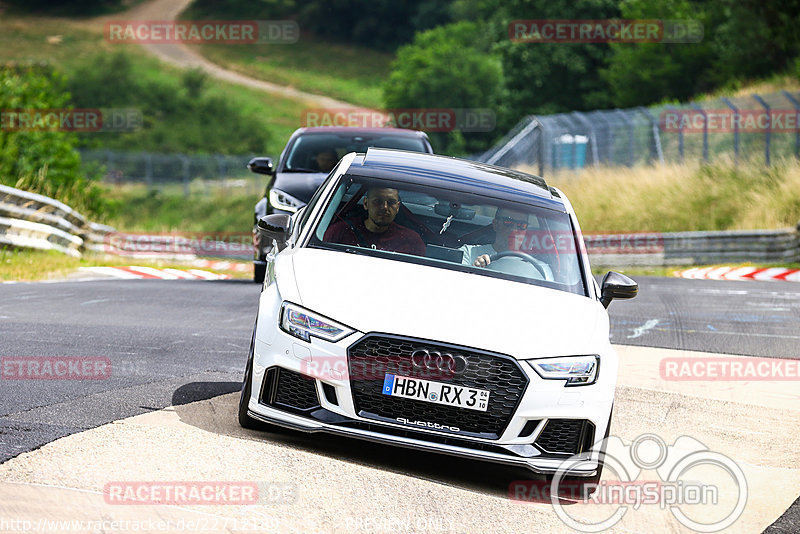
(135, 272)
(741, 273)
(218, 265)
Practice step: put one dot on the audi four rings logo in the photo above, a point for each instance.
(434, 360)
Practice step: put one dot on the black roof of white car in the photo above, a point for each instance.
(453, 173)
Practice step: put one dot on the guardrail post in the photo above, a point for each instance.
(735, 130)
(705, 130)
(796, 105)
(769, 127)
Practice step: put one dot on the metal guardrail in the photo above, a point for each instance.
(29, 220)
(695, 248)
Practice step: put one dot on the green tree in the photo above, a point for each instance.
(36, 157)
(554, 77)
(646, 73)
(448, 67)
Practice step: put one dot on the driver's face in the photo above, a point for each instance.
(510, 227)
(382, 206)
(325, 161)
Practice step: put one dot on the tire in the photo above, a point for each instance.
(245, 421)
(259, 271)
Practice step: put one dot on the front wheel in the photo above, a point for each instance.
(245, 421)
(259, 271)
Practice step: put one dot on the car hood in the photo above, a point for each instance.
(379, 295)
(300, 185)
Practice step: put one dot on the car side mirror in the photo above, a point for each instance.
(261, 166)
(275, 227)
(617, 286)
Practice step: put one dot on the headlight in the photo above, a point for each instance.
(284, 201)
(576, 370)
(303, 324)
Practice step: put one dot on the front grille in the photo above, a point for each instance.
(566, 436)
(289, 390)
(375, 355)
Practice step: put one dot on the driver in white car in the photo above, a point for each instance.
(509, 228)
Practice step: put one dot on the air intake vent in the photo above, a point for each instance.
(566, 436)
(289, 391)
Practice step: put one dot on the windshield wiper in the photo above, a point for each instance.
(300, 169)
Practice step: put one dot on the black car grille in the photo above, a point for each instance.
(375, 355)
(566, 436)
(289, 391)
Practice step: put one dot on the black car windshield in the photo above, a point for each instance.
(452, 230)
(305, 151)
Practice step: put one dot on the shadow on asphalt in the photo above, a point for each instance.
(218, 415)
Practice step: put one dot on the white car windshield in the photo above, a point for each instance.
(452, 230)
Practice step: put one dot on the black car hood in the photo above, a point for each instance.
(300, 185)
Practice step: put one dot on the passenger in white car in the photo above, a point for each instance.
(509, 228)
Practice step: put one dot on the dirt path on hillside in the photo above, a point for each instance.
(184, 57)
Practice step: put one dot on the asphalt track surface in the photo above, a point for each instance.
(174, 342)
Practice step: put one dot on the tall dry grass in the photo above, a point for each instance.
(686, 197)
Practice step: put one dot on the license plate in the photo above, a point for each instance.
(436, 392)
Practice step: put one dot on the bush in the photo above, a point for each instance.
(447, 67)
(178, 117)
(42, 161)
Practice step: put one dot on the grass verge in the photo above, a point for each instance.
(688, 197)
(18, 265)
(343, 72)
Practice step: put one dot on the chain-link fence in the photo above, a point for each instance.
(745, 128)
(176, 171)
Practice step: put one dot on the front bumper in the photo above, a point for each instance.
(327, 404)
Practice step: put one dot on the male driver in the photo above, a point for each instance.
(326, 160)
(509, 229)
(378, 230)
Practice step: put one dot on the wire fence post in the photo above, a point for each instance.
(148, 171)
(735, 130)
(185, 174)
(656, 135)
(581, 118)
(767, 134)
(705, 130)
(796, 105)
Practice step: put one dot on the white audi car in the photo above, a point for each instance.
(440, 304)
